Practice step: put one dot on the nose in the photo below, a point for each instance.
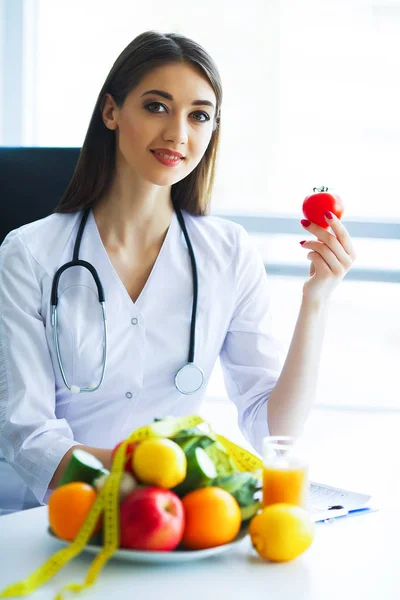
(176, 130)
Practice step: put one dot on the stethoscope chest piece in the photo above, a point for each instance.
(189, 379)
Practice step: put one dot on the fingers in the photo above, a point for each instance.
(340, 243)
(318, 265)
(321, 251)
(341, 234)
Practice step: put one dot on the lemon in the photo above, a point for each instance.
(160, 462)
(281, 532)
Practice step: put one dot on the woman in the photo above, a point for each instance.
(137, 204)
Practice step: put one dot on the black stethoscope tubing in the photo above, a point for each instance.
(188, 372)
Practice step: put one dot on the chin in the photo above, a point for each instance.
(165, 179)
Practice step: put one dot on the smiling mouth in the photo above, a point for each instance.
(166, 160)
(167, 156)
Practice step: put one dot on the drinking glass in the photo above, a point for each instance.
(285, 472)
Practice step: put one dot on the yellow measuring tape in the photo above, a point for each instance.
(107, 502)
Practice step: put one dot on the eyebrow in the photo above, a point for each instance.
(170, 97)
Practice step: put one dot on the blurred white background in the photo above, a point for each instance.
(311, 98)
(311, 90)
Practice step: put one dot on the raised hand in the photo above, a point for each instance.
(332, 256)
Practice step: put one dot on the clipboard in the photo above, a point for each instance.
(327, 503)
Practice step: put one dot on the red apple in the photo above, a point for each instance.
(128, 453)
(151, 518)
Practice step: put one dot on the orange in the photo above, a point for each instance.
(212, 518)
(69, 506)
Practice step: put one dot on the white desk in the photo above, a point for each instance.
(351, 558)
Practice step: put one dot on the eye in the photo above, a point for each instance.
(147, 106)
(204, 114)
(152, 107)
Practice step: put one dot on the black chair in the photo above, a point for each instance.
(32, 181)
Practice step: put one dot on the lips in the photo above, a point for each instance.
(168, 162)
(168, 152)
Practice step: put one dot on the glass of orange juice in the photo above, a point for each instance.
(285, 472)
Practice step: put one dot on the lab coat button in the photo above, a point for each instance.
(128, 395)
(134, 321)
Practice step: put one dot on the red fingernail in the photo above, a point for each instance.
(303, 242)
(305, 223)
(328, 214)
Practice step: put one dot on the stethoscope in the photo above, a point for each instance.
(189, 379)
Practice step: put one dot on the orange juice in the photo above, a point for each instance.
(287, 484)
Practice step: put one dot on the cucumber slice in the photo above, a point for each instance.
(201, 463)
(200, 472)
(82, 466)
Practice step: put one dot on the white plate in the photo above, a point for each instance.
(161, 557)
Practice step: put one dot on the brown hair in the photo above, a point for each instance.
(95, 168)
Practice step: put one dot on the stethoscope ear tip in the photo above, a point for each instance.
(75, 389)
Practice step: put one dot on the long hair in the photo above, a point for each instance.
(96, 164)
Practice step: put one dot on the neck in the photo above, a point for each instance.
(134, 216)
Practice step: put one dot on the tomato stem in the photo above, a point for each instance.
(321, 189)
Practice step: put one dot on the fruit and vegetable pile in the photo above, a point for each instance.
(178, 492)
(181, 489)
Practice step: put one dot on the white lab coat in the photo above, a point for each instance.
(148, 341)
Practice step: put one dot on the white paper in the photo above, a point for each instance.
(323, 497)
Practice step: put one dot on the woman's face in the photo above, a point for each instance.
(179, 117)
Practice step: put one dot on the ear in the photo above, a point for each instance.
(109, 112)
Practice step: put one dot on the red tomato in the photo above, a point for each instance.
(128, 453)
(317, 203)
